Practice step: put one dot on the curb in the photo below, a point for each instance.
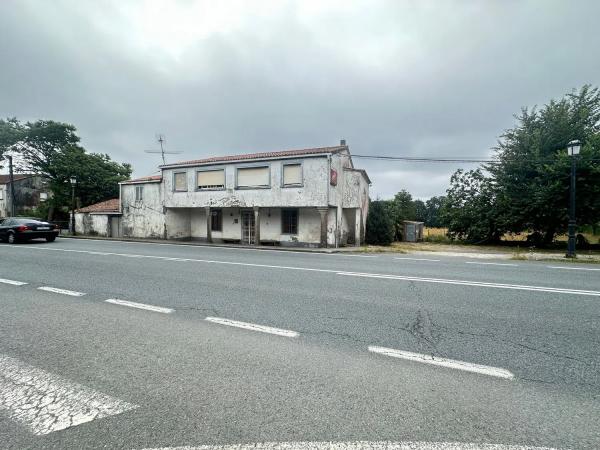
(201, 244)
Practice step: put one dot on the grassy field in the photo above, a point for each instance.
(439, 235)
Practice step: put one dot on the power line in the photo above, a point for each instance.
(459, 160)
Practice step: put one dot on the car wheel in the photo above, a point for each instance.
(50, 238)
(11, 239)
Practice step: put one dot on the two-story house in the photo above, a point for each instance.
(309, 197)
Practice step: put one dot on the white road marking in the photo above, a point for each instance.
(355, 256)
(491, 264)
(444, 362)
(253, 327)
(358, 445)
(519, 287)
(44, 402)
(13, 282)
(159, 309)
(418, 259)
(572, 268)
(338, 272)
(61, 291)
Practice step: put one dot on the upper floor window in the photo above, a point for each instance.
(1, 194)
(211, 179)
(292, 175)
(180, 181)
(139, 193)
(253, 177)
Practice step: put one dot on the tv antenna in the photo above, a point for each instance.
(161, 140)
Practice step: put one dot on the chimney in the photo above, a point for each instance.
(343, 142)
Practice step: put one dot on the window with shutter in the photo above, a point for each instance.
(211, 179)
(253, 177)
(292, 174)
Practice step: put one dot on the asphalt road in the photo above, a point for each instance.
(503, 353)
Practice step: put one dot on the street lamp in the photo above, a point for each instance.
(573, 148)
(73, 183)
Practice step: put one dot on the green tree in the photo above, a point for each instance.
(420, 210)
(433, 208)
(51, 149)
(532, 174)
(470, 208)
(401, 208)
(380, 229)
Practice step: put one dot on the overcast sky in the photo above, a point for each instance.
(403, 78)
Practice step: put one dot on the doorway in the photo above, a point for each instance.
(248, 229)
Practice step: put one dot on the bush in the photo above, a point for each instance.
(380, 227)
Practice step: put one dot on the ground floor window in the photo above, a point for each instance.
(216, 220)
(289, 221)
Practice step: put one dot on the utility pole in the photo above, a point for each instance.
(11, 178)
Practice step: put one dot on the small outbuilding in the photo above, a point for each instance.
(99, 219)
(412, 231)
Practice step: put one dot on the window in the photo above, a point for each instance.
(211, 179)
(253, 177)
(216, 220)
(180, 181)
(43, 196)
(1, 194)
(139, 191)
(292, 175)
(289, 221)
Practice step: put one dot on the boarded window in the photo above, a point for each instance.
(253, 177)
(180, 181)
(292, 174)
(216, 220)
(289, 221)
(139, 193)
(211, 179)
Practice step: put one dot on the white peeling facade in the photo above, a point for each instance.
(310, 197)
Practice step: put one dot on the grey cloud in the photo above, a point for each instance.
(393, 78)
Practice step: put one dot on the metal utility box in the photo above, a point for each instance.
(413, 231)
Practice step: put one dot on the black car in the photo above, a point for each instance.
(15, 229)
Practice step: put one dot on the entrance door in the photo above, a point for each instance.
(114, 227)
(248, 235)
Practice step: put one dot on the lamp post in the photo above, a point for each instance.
(73, 183)
(573, 148)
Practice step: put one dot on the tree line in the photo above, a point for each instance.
(53, 151)
(524, 189)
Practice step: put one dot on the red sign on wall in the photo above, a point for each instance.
(333, 177)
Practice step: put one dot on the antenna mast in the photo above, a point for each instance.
(161, 140)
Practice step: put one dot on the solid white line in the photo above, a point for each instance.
(444, 362)
(358, 445)
(519, 287)
(252, 327)
(418, 259)
(61, 291)
(44, 402)
(491, 263)
(571, 268)
(159, 309)
(13, 282)
(338, 272)
(355, 256)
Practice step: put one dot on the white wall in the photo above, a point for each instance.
(315, 172)
(143, 218)
(91, 224)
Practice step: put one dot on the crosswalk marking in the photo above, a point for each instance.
(44, 402)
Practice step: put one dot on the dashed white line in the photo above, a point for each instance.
(61, 291)
(418, 259)
(160, 309)
(444, 362)
(358, 445)
(44, 402)
(491, 264)
(572, 268)
(252, 327)
(13, 282)
(336, 271)
(518, 287)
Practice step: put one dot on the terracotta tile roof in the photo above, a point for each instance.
(111, 205)
(5, 179)
(263, 155)
(148, 179)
